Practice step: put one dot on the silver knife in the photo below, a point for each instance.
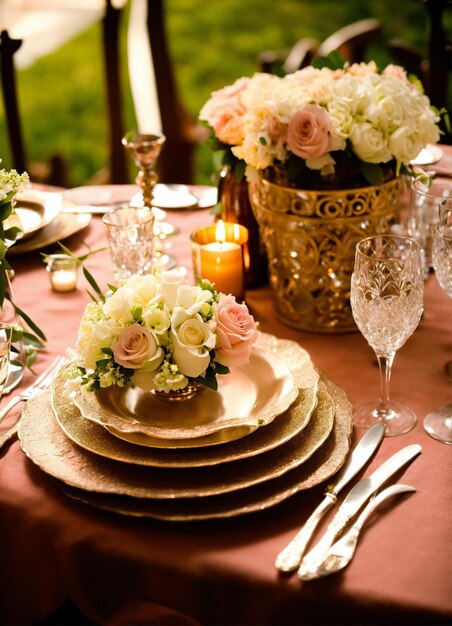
(289, 559)
(357, 497)
(341, 552)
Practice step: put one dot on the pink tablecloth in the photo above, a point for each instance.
(141, 571)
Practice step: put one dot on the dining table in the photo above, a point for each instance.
(126, 569)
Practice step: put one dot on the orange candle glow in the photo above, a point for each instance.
(218, 256)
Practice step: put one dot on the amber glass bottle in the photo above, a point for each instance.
(236, 208)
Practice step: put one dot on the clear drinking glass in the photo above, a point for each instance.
(6, 333)
(387, 289)
(423, 213)
(130, 235)
(438, 422)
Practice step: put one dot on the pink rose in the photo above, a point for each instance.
(137, 347)
(309, 132)
(236, 332)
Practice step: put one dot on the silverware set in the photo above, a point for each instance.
(336, 548)
(41, 383)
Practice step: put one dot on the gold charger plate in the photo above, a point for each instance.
(251, 396)
(60, 228)
(46, 445)
(323, 464)
(33, 211)
(94, 438)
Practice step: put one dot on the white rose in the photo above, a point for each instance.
(369, 144)
(170, 282)
(192, 298)
(192, 339)
(119, 307)
(141, 289)
(92, 337)
(157, 319)
(404, 144)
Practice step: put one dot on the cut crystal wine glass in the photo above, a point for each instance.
(145, 148)
(387, 289)
(438, 422)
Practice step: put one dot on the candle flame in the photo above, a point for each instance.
(220, 232)
(236, 232)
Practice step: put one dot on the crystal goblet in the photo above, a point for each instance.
(145, 148)
(423, 213)
(438, 422)
(387, 289)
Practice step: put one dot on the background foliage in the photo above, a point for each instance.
(62, 97)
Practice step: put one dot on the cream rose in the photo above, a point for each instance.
(192, 340)
(236, 332)
(137, 348)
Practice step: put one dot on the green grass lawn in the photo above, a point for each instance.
(212, 43)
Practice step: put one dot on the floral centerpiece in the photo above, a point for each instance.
(323, 149)
(11, 183)
(319, 127)
(25, 343)
(161, 334)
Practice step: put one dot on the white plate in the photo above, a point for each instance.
(99, 195)
(171, 197)
(428, 155)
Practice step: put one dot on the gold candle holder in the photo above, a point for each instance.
(217, 252)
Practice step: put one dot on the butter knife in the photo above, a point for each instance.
(341, 552)
(289, 559)
(357, 497)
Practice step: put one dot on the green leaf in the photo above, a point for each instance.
(372, 173)
(108, 351)
(333, 61)
(90, 278)
(29, 322)
(239, 170)
(221, 369)
(91, 295)
(112, 288)
(31, 340)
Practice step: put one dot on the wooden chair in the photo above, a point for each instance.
(55, 172)
(351, 42)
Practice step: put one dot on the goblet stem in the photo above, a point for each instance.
(385, 362)
(147, 179)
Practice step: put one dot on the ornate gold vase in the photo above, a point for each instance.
(310, 237)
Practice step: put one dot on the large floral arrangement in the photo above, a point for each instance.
(349, 126)
(157, 332)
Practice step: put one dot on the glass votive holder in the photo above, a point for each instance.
(217, 252)
(63, 272)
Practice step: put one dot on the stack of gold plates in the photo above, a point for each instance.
(273, 428)
(40, 216)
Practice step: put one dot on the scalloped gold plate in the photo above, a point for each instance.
(249, 397)
(318, 468)
(46, 445)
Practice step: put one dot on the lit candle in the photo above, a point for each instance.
(218, 256)
(63, 272)
(64, 280)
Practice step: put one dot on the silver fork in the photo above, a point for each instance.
(41, 383)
